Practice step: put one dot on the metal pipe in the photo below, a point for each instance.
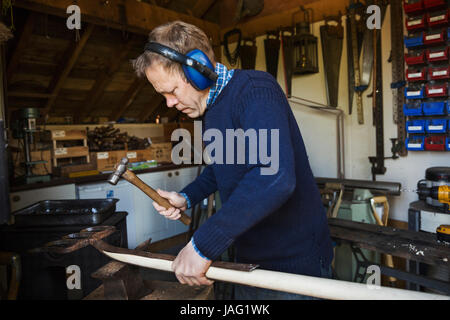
(378, 187)
(340, 156)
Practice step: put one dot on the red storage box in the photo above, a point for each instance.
(434, 4)
(434, 37)
(435, 143)
(436, 90)
(415, 57)
(416, 23)
(439, 73)
(437, 18)
(413, 6)
(437, 55)
(416, 74)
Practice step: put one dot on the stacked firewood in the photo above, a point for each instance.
(110, 139)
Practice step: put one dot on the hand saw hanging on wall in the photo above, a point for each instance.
(350, 60)
(362, 75)
(332, 37)
(353, 8)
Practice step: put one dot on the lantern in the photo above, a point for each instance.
(304, 45)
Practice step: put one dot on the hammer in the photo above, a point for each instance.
(121, 170)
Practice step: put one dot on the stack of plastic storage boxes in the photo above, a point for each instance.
(427, 106)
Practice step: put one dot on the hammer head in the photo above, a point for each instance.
(119, 169)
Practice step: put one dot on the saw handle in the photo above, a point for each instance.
(149, 191)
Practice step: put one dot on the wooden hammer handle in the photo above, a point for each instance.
(132, 178)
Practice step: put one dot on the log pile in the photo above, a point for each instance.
(108, 138)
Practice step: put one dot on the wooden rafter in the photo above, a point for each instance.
(201, 7)
(22, 43)
(105, 77)
(128, 97)
(134, 16)
(70, 57)
(259, 25)
(29, 95)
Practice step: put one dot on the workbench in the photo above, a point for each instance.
(421, 247)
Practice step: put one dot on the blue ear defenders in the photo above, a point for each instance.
(196, 65)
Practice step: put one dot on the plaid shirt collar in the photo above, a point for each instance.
(224, 76)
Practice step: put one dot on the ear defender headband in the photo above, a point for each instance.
(196, 65)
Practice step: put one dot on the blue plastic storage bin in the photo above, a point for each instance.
(434, 108)
(415, 126)
(447, 143)
(414, 41)
(436, 125)
(414, 93)
(415, 143)
(412, 109)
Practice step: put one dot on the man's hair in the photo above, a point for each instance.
(180, 36)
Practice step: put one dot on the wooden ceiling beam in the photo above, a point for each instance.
(104, 78)
(133, 16)
(21, 94)
(22, 43)
(201, 7)
(70, 57)
(128, 97)
(259, 25)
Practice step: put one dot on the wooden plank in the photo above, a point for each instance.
(64, 135)
(128, 98)
(134, 16)
(21, 46)
(65, 67)
(70, 152)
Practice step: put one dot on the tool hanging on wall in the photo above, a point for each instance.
(288, 57)
(397, 60)
(359, 40)
(355, 56)
(232, 57)
(377, 104)
(272, 49)
(369, 52)
(248, 54)
(332, 37)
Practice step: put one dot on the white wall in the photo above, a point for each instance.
(319, 129)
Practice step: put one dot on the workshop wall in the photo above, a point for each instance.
(319, 129)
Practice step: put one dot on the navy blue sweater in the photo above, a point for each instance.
(277, 221)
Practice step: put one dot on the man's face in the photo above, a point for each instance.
(177, 91)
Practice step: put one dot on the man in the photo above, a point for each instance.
(275, 220)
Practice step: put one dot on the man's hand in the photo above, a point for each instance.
(176, 200)
(190, 268)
